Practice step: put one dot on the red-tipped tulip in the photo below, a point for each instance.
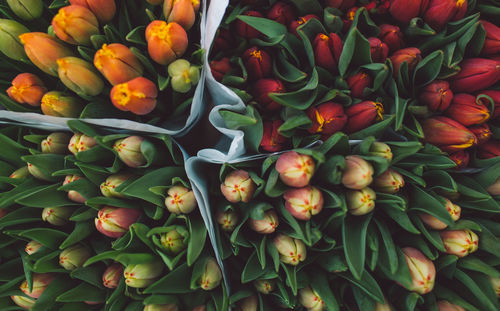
(267, 224)
(292, 27)
(75, 24)
(392, 36)
(327, 118)
(303, 203)
(461, 158)
(495, 96)
(436, 96)
(459, 242)
(23, 301)
(378, 50)
(327, 50)
(358, 82)
(440, 12)
(389, 181)
(137, 96)
(358, 173)
(282, 13)
(111, 183)
(58, 104)
(489, 149)
(422, 271)
(211, 276)
(55, 143)
(182, 12)
(238, 187)
(220, 68)
(381, 150)
(444, 305)
(404, 11)
(104, 10)
(292, 251)
(311, 300)
(483, 133)
(27, 89)
(112, 275)
(130, 152)
(166, 42)
(144, 274)
(227, 220)
(115, 221)
(80, 142)
(447, 134)
(32, 247)
(264, 286)
(73, 195)
(57, 216)
(261, 90)
(22, 172)
(246, 31)
(411, 56)
(272, 140)
(361, 202)
(258, 63)
(476, 74)
(362, 115)
(180, 200)
(117, 63)
(432, 222)
(467, 111)
(175, 240)
(295, 169)
(40, 283)
(74, 256)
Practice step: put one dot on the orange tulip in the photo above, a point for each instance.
(75, 24)
(166, 42)
(104, 10)
(182, 12)
(117, 63)
(60, 105)
(27, 89)
(137, 95)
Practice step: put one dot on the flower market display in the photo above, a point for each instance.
(357, 163)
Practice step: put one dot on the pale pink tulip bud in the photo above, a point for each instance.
(22, 172)
(266, 225)
(80, 142)
(55, 143)
(23, 302)
(180, 200)
(389, 181)
(212, 275)
(57, 216)
(311, 300)
(32, 247)
(112, 275)
(264, 286)
(37, 173)
(144, 274)
(238, 187)
(129, 151)
(115, 221)
(295, 169)
(361, 202)
(422, 271)
(444, 305)
(72, 194)
(174, 241)
(292, 251)
(459, 242)
(381, 150)
(495, 282)
(40, 283)
(436, 224)
(227, 220)
(74, 257)
(303, 203)
(494, 189)
(357, 173)
(112, 182)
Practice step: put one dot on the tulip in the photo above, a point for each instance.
(79, 76)
(258, 63)
(492, 41)
(264, 286)
(10, 44)
(459, 242)
(244, 30)
(180, 200)
(489, 149)
(23, 301)
(272, 140)
(227, 220)
(432, 222)
(447, 134)
(261, 90)
(22, 172)
(173, 241)
(111, 183)
(412, 56)
(495, 282)
(357, 173)
(224, 41)
(37, 173)
(238, 186)
(112, 275)
(137, 96)
(303, 203)
(32, 247)
(381, 150)
(349, 18)
(392, 36)
(362, 115)
(383, 307)
(422, 271)
(467, 111)
(389, 181)
(130, 152)
(27, 89)
(166, 42)
(182, 12)
(444, 305)
(292, 251)
(75, 24)
(211, 276)
(327, 118)
(164, 307)
(404, 11)
(144, 274)
(282, 13)
(220, 68)
(440, 12)
(311, 300)
(248, 304)
(55, 143)
(58, 104)
(27, 10)
(72, 194)
(74, 257)
(495, 96)
(40, 283)
(358, 82)
(340, 4)
(117, 63)
(436, 96)
(104, 10)
(494, 188)
(461, 159)
(361, 202)
(267, 224)
(378, 50)
(482, 133)
(295, 169)
(80, 142)
(114, 222)
(183, 75)
(476, 74)
(327, 50)
(57, 216)
(292, 27)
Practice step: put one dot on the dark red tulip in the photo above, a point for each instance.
(378, 50)
(440, 12)
(411, 56)
(358, 82)
(220, 68)
(490, 149)
(476, 74)
(492, 42)
(467, 111)
(405, 10)
(327, 50)
(327, 118)
(292, 27)
(447, 134)
(223, 41)
(261, 90)
(257, 62)
(272, 140)
(392, 36)
(340, 4)
(482, 132)
(436, 96)
(246, 31)
(282, 13)
(495, 96)
(461, 159)
(349, 18)
(362, 115)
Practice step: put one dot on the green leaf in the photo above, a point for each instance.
(48, 298)
(319, 284)
(82, 292)
(82, 230)
(266, 26)
(302, 98)
(252, 270)
(376, 129)
(91, 275)
(475, 290)
(388, 246)
(428, 69)
(354, 240)
(175, 282)
(198, 235)
(45, 197)
(48, 237)
(356, 51)
(422, 201)
(476, 264)
(367, 284)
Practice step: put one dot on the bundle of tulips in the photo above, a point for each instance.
(101, 222)
(101, 58)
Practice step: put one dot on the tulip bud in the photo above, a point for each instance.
(220, 68)
(27, 10)
(436, 96)
(311, 300)
(340, 4)
(327, 118)
(476, 74)
(349, 18)
(295, 169)
(227, 220)
(361, 202)
(10, 44)
(224, 41)
(492, 41)
(32, 247)
(182, 12)
(248, 304)
(495, 282)
(440, 12)
(303, 203)
(383, 307)
(264, 286)
(79, 76)
(494, 188)
(183, 75)
(75, 24)
(27, 89)
(258, 63)
(432, 222)
(292, 27)
(23, 301)
(143, 275)
(37, 173)
(166, 42)
(447, 134)
(180, 200)
(482, 132)
(72, 194)
(114, 222)
(137, 96)
(412, 56)
(74, 257)
(357, 173)
(246, 31)
(292, 251)
(404, 11)
(117, 63)
(381, 150)
(44, 50)
(238, 186)
(129, 151)
(461, 159)
(495, 96)
(111, 183)
(282, 13)
(112, 275)
(57, 216)
(327, 50)
(459, 242)
(80, 142)
(22, 172)
(267, 224)
(392, 36)
(272, 140)
(261, 90)
(422, 271)
(362, 115)
(378, 50)
(164, 307)
(467, 111)
(104, 10)
(55, 143)
(40, 283)
(211, 276)
(389, 181)
(489, 149)
(173, 241)
(444, 305)
(58, 104)
(358, 82)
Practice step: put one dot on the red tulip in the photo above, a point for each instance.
(258, 63)
(349, 18)
(327, 50)
(447, 134)
(261, 90)
(482, 132)
(495, 96)
(246, 31)
(272, 140)
(465, 110)
(490, 149)
(362, 115)
(282, 13)
(476, 74)
(492, 42)
(378, 50)
(392, 36)
(358, 82)
(327, 118)
(220, 68)
(27, 89)
(412, 56)
(440, 12)
(340, 4)
(405, 10)
(224, 41)
(292, 27)
(436, 96)
(461, 159)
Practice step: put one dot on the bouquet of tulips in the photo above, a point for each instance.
(101, 222)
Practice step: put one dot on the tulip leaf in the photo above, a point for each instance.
(266, 26)
(83, 292)
(432, 236)
(477, 291)
(356, 51)
(447, 294)
(286, 71)
(302, 98)
(374, 130)
(288, 128)
(136, 35)
(21, 215)
(354, 240)
(91, 275)
(82, 230)
(252, 270)
(437, 179)
(428, 69)
(112, 254)
(45, 197)
(367, 284)
(48, 237)
(11, 150)
(56, 4)
(11, 105)
(389, 246)
(320, 285)
(47, 300)
(144, 61)
(489, 242)
(401, 218)
(422, 201)
(332, 20)
(198, 234)
(47, 163)
(11, 269)
(476, 264)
